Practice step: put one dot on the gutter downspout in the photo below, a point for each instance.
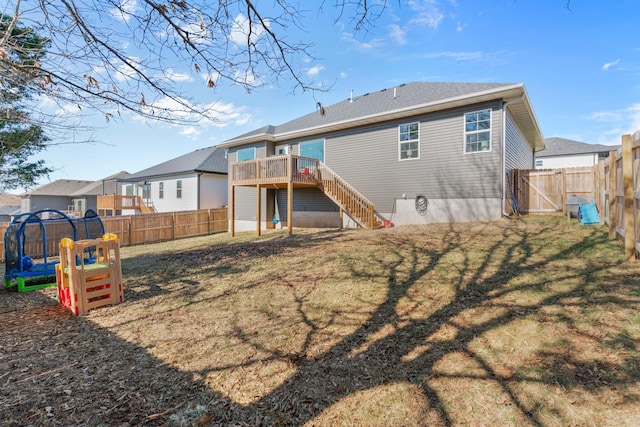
(504, 150)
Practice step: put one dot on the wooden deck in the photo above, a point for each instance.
(109, 204)
(291, 172)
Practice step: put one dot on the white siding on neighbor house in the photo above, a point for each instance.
(213, 191)
(170, 203)
(556, 162)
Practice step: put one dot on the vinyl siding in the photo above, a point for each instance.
(368, 160)
(306, 199)
(213, 191)
(518, 153)
(170, 202)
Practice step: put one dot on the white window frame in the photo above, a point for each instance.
(408, 141)
(477, 132)
(284, 148)
(179, 189)
(161, 190)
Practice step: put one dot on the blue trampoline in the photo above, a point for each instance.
(31, 241)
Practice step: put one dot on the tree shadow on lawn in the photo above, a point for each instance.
(145, 275)
(456, 326)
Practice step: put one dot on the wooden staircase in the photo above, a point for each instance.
(144, 209)
(357, 206)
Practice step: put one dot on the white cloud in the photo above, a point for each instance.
(427, 13)
(458, 56)
(240, 31)
(191, 132)
(608, 65)
(220, 114)
(617, 123)
(314, 71)
(175, 76)
(125, 9)
(398, 34)
(367, 46)
(460, 26)
(125, 72)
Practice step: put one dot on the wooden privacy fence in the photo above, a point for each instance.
(547, 190)
(144, 229)
(618, 190)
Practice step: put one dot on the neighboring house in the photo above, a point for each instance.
(566, 153)
(418, 152)
(54, 195)
(9, 207)
(70, 196)
(197, 180)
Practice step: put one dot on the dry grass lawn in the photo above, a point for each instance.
(528, 321)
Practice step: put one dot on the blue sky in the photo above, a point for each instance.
(580, 65)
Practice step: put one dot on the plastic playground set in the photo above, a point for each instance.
(47, 248)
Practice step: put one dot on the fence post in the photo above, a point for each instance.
(130, 222)
(612, 194)
(209, 221)
(564, 191)
(173, 226)
(627, 172)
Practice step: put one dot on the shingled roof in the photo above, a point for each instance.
(60, 187)
(565, 147)
(210, 159)
(397, 102)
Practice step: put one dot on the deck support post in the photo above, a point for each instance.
(290, 208)
(258, 209)
(232, 211)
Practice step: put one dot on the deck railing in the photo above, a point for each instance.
(112, 202)
(274, 170)
(347, 197)
(305, 170)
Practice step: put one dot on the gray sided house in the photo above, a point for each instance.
(70, 196)
(197, 180)
(412, 154)
(54, 195)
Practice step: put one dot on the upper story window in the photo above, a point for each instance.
(161, 190)
(179, 189)
(477, 131)
(312, 149)
(409, 141)
(246, 154)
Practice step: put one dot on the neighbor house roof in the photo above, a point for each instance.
(210, 160)
(60, 187)
(398, 102)
(104, 186)
(9, 199)
(565, 147)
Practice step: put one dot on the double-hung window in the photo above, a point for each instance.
(161, 190)
(179, 189)
(409, 141)
(477, 131)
